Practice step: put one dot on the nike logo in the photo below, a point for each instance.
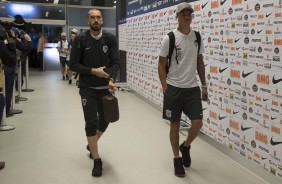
(88, 48)
(221, 117)
(204, 5)
(222, 70)
(222, 2)
(267, 15)
(245, 128)
(265, 99)
(225, 88)
(244, 75)
(237, 48)
(263, 158)
(226, 19)
(235, 112)
(259, 31)
(206, 65)
(204, 109)
(272, 118)
(165, 12)
(274, 143)
(236, 40)
(275, 81)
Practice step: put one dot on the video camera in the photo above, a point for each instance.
(8, 26)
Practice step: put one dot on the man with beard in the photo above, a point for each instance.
(94, 55)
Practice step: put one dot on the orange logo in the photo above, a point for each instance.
(213, 115)
(262, 79)
(230, 40)
(214, 4)
(235, 73)
(197, 7)
(275, 103)
(233, 124)
(261, 137)
(228, 110)
(277, 42)
(234, 2)
(278, 14)
(275, 129)
(213, 69)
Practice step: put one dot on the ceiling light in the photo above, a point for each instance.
(115, 2)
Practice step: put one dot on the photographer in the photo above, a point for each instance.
(8, 36)
(8, 58)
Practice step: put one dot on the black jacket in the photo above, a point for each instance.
(8, 56)
(87, 53)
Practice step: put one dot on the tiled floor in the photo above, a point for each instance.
(48, 144)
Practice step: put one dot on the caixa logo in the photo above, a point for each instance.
(257, 7)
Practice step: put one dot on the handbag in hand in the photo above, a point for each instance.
(110, 107)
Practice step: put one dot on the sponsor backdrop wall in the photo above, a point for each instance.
(243, 46)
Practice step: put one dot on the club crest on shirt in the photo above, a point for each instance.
(168, 113)
(84, 102)
(105, 49)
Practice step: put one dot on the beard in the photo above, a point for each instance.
(96, 27)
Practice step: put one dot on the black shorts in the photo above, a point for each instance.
(63, 61)
(186, 100)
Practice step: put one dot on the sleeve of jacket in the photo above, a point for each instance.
(8, 57)
(114, 66)
(76, 58)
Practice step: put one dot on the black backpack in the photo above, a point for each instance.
(172, 47)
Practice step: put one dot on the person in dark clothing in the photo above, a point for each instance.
(33, 59)
(94, 55)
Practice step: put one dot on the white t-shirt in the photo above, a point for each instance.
(183, 74)
(64, 46)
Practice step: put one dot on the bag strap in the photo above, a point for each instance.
(199, 40)
(171, 37)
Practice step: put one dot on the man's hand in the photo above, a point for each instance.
(205, 95)
(100, 72)
(112, 87)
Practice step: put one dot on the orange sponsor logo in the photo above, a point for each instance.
(265, 116)
(228, 110)
(233, 124)
(262, 79)
(213, 69)
(234, 2)
(256, 154)
(235, 73)
(268, 31)
(230, 40)
(275, 129)
(277, 42)
(278, 14)
(261, 137)
(213, 115)
(274, 103)
(258, 98)
(214, 4)
(260, 16)
(197, 7)
(232, 48)
(238, 62)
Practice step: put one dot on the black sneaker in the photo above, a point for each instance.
(185, 151)
(97, 169)
(70, 81)
(178, 167)
(90, 155)
(64, 78)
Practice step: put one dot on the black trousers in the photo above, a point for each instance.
(91, 100)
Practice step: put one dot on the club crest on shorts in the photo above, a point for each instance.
(105, 49)
(168, 113)
(84, 102)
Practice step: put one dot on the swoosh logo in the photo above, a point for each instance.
(236, 40)
(204, 5)
(263, 158)
(275, 81)
(274, 143)
(265, 99)
(244, 75)
(221, 117)
(259, 31)
(222, 2)
(204, 109)
(245, 128)
(272, 118)
(238, 48)
(235, 112)
(267, 15)
(222, 70)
